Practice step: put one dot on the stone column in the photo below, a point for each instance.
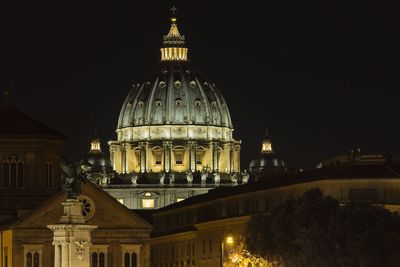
(215, 157)
(72, 237)
(123, 158)
(143, 152)
(167, 145)
(112, 151)
(57, 255)
(192, 155)
(230, 159)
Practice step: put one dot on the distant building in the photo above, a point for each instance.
(267, 161)
(174, 135)
(355, 156)
(207, 227)
(96, 164)
(29, 166)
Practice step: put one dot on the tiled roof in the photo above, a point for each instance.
(15, 123)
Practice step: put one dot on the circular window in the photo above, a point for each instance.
(88, 207)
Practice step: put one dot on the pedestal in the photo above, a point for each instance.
(72, 237)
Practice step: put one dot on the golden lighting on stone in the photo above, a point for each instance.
(174, 42)
(266, 146)
(95, 145)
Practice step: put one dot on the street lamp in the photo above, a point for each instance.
(229, 240)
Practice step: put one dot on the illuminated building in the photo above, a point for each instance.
(199, 225)
(174, 134)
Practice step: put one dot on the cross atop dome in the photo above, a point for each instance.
(173, 9)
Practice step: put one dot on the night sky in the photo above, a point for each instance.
(322, 76)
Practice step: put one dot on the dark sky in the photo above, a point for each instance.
(323, 76)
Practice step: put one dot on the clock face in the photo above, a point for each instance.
(88, 206)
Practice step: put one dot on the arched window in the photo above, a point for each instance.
(13, 172)
(134, 259)
(94, 259)
(127, 260)
(101, 259)
(29, 260)
(36, 260)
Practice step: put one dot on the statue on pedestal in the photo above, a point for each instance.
(72, 177)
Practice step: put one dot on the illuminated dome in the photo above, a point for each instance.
(267, 161)
(175, 94)
(175, 121)
(96, 160)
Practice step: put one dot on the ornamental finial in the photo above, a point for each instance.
(173, 43)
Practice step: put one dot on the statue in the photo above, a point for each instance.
(189, 177)
(171, 178)
(245, 177)
(134, 179)
(217, 177)
(72, 177)
(162, 177)
(234, 177)
(204, 176)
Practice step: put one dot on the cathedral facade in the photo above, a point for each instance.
(174, 134)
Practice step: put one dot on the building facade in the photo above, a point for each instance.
(206, 230)
(29, 166)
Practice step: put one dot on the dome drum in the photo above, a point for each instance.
(175, 132)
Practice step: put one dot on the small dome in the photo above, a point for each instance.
(267, 160)
(96, 160)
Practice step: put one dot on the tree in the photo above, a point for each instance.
(315, 230)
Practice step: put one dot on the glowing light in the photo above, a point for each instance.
(266, 146)
(230, 240)
(148, 203)
(95, 145)
(179, 199)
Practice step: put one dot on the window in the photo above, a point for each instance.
(148, 203)
(98, 259)
(130, 255)
(120, 200)
(33, 255)
(98, 255)
(179, 199)
(13, 172)
(158, 159)
(88, 206)
(179, 158)
(49, 174)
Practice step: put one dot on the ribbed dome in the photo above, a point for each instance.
(175, 94)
